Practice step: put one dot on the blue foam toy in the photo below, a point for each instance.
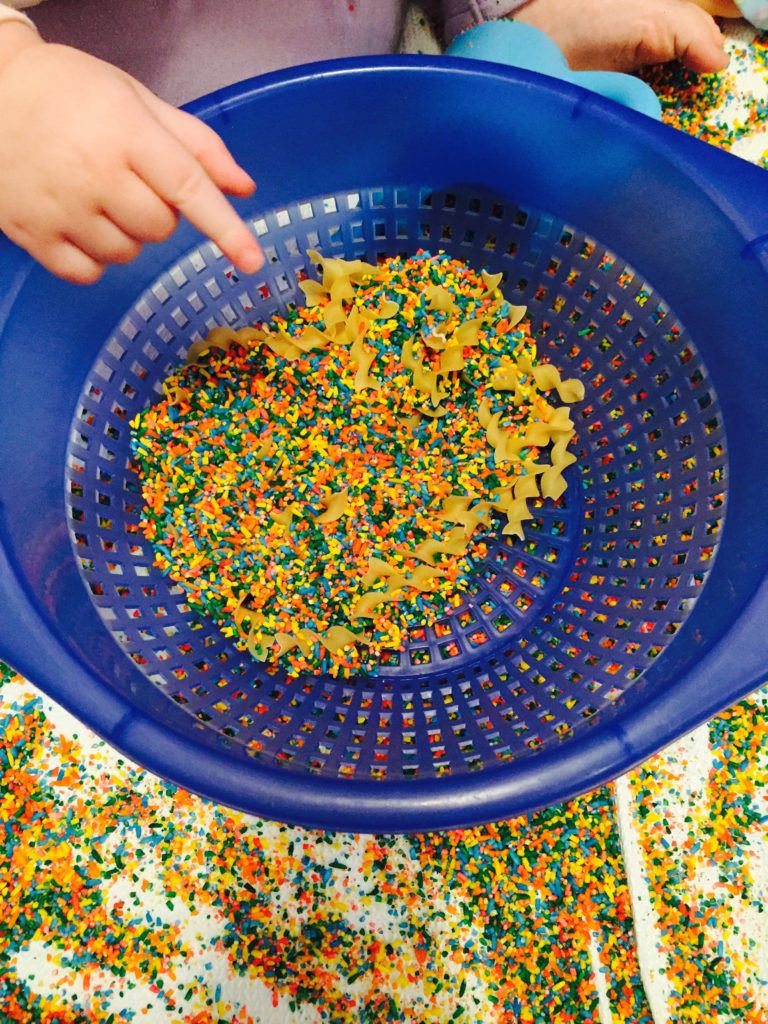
(523, 46)
(633, 610)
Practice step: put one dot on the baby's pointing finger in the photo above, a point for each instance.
(178, 178)
(203, 143)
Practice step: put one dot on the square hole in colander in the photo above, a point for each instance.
(555, 628)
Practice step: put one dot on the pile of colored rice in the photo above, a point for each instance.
(318, 485)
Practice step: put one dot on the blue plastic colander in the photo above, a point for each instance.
(635, 607)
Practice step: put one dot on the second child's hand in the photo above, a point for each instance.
(624, 35)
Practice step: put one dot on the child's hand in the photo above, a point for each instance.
(92, 164)
(622, 35)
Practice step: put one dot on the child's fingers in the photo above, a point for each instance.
(67, 260)
(58, 254)
(684, 31)
(178, 178)
(104, 241)
(698, 40)
(140, 212)
(206, 146)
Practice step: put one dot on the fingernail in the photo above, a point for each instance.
(251, 260)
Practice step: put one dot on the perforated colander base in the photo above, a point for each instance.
(556, 628)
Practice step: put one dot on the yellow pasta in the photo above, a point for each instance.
(259, 646)
(220, 337)
(473, 517)
(285, 517)
(424, 379)
(282, 345)
(443, 396)
(432, 413)
(339, 636)
(547, 377)
(455, 543)
(517, 514)
(335, 507)
(311, 338)
(284, 642)
(491, 281)
(377, 568)
(526, 487)
(451, 361)
(540, 433)
(314, 292)
(516, 314)
(423, 577)
(305, 639)
(468, 333)
(366, 606)
(439, 298)
(364, 357)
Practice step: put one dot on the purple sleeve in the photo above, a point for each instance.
(459, 15)
(184, 48)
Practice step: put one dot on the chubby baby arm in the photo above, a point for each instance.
(93, 165)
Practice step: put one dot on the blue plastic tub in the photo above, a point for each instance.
(633, 610)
